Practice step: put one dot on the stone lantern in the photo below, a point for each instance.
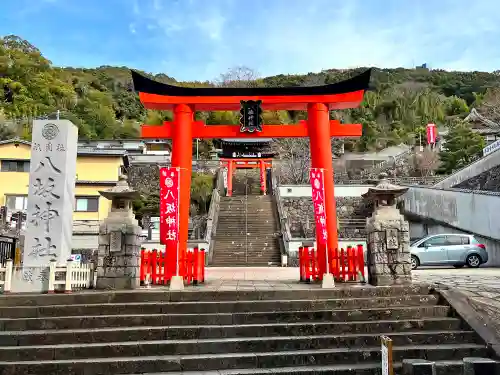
(388, 236)
(118, 262)
(121, 196)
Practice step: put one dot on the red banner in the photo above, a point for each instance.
(169, 205)
(431, 134)
(318, 198)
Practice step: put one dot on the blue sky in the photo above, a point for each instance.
(200, 39)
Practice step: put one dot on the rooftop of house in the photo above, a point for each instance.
(82, 151)
(247, 140)
(475, 117)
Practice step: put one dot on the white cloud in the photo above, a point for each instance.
(295, 36)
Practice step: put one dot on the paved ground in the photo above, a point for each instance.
(482, 282)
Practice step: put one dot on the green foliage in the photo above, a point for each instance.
(202, 185)
(461, 148)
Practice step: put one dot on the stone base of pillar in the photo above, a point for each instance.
(328, 281)
(119, 256)
(177, 283)
(388, 243)
(117, 283)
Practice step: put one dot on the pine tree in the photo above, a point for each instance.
(461, 147)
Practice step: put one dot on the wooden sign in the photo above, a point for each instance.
(386, 349)
(250, 116)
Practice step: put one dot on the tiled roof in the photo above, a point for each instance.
(474, 115)
(89, 182)
(81, 150)
(247, 140)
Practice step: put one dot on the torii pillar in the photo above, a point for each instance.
(318, 127)
(182, 157)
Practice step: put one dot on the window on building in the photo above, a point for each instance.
(16, 202)
(15, 166)
(87, 204)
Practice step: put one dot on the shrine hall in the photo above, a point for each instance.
(246, 153)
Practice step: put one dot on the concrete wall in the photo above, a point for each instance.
(472, 170)
(297, 191)
(419, 230)
(471, 211)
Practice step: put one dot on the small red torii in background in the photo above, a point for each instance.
(316, 100)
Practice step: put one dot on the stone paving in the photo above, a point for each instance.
(481, 282)
(480, 285)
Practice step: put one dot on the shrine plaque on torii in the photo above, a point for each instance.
(316, 100)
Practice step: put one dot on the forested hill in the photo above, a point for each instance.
(102, 102)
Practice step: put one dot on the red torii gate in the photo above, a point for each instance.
(317, 100)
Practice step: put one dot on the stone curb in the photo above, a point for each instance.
(480, 323)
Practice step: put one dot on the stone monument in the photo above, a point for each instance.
(119, 254)
(388, 236)
(51, 194)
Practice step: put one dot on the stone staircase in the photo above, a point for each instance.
(298, 331)
(247, 232)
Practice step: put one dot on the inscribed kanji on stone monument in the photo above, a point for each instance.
(51, 194)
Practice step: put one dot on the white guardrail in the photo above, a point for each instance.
(72, 276)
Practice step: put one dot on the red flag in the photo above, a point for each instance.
(169, 205)
(431, 134)
(318, 198)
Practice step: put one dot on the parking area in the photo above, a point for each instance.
(486, 280)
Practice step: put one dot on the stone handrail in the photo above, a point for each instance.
(419, 181)
(284, 225)
(378, 167)
(213, 214)
(476, 159)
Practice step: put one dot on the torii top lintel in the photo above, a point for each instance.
(340, 95)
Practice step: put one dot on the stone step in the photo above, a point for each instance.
(237, 257)
(269, 360)
(226, 242)
(153, 295)
(241, 264)
(140, 333)
(131, 320)
(442, 368)
(238, 222)
(365, 368)
(228, 345)
(150, 319)
(253, 231)
(13, 314)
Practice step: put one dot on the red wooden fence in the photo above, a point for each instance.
(345, 264)
(158, 269)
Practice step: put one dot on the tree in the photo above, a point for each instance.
(294, 160)
(202, 185)
(461, 147)
(490, 104)
(239, 76)
(426, 162)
